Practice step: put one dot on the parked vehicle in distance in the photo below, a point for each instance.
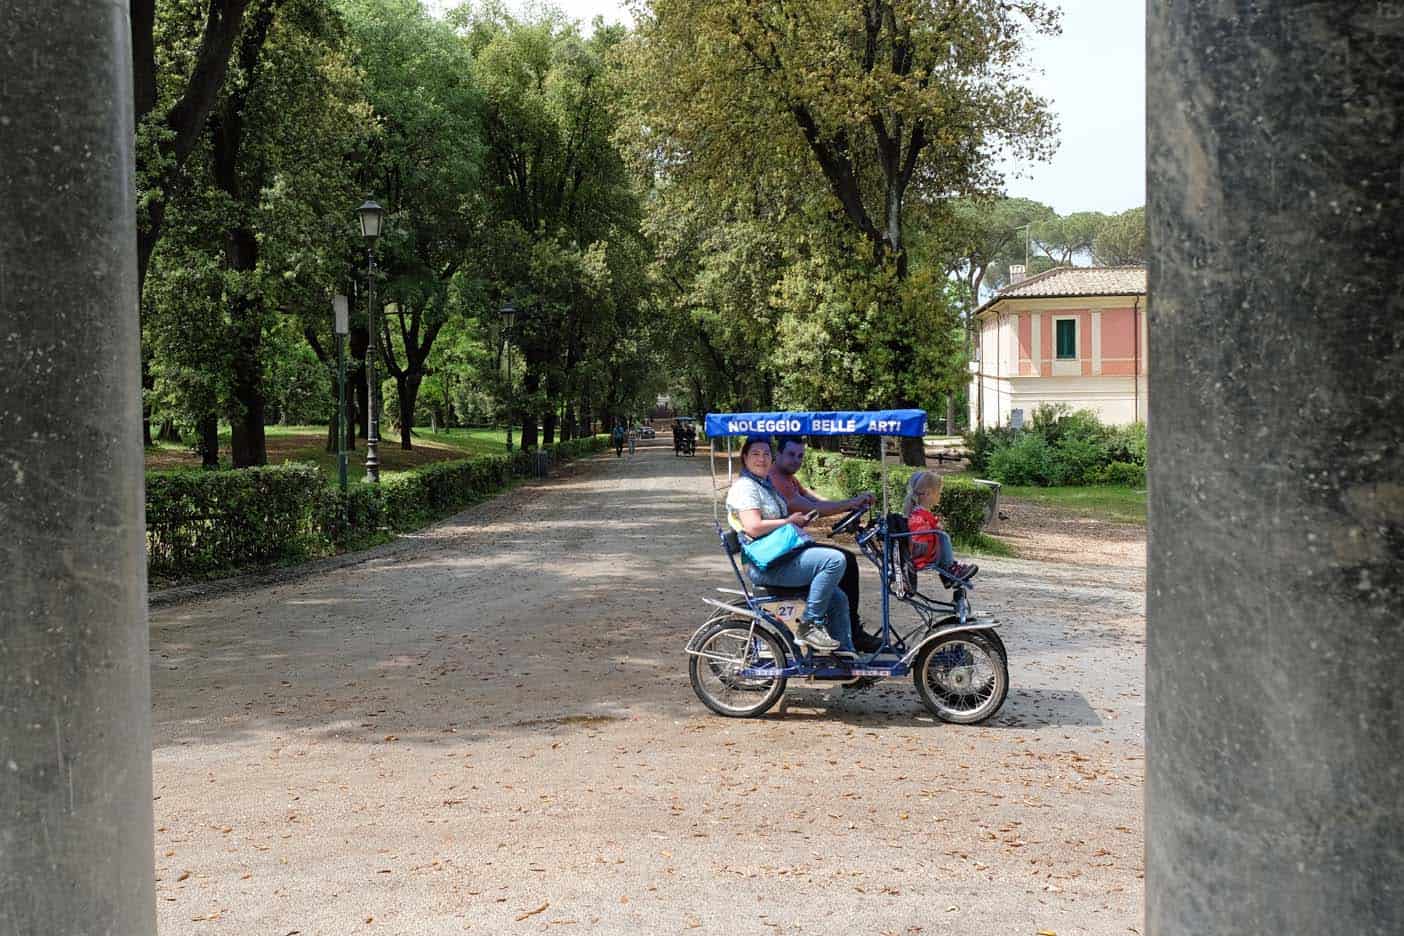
(646, 431)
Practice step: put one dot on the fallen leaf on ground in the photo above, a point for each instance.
(532, 913)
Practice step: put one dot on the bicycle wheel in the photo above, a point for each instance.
(723, 652)
(962, 678)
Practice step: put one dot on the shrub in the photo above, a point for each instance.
(1059, 447)
(351, 520)
(1045, 418)
(1127, 443)
(963, 503)
(438, 490)
(820, 469)
(982, 443)
(1125, 474)
(1027, 460)
(1076, 459)
(202, 521)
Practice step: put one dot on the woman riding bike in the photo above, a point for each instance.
(756, 509)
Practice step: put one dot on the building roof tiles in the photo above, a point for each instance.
(1076, 281)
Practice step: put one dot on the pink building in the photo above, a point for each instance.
(1074, 335)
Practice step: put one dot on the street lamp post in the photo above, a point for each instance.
(371, 215)
(509, 318)
(341, 324)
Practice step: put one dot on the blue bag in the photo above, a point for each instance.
(774, 546)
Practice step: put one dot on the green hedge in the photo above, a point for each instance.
(200, 523)
(1061, 448)
(963, 503)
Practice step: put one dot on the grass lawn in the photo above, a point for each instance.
(1097, 501)
(981, 544)
(308, 443)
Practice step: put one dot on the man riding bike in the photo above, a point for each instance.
(789, 459)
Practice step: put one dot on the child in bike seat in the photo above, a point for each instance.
(933, 545)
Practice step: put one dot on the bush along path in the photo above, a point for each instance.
(964, 507)
(203, 525)
(1061, 448)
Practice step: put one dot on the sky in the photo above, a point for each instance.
(1094, 78)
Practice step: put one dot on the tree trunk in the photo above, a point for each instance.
(241, 250)
(407, 389)
(169, 432)
(531, 382)
(950, 414)
(147, 383)
(568, 428)
(207, 445)
(914, 452)
(548, 426)
(248, 445)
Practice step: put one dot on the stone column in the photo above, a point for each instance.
(75, 739)
(1275, 729)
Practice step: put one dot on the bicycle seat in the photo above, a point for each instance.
(775, 591)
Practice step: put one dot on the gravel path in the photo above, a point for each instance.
(488, 728)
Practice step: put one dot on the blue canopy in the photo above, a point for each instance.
(903, 422)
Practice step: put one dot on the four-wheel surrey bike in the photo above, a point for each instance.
(743, 656)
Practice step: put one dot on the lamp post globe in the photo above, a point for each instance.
(372, 217)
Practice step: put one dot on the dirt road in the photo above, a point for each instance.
(489, 728)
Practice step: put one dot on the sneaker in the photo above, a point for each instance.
(812, 635)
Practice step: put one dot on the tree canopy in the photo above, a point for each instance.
(827, 120)
(742, 203)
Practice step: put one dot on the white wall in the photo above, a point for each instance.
(1113, 398)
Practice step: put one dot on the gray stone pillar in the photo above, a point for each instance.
(75, 738)
(1275, 730)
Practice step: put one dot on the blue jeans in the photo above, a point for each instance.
(820, 568)
(945, 555)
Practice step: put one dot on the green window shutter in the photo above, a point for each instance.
(1067, 340)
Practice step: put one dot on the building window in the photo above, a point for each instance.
(1067, 339)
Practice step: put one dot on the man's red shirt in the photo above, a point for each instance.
(789, 488)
